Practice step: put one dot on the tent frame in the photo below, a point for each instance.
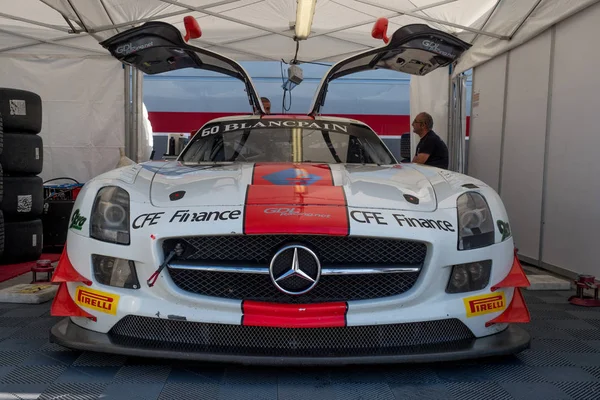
(76, 27)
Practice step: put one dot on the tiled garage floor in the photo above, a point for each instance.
(563, 363)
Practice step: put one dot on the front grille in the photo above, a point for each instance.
(260, 288)
(259, 249)
(180, 335)
(333, 251)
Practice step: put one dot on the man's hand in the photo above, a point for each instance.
(420, 158)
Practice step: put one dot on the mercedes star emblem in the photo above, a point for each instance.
(295, 269)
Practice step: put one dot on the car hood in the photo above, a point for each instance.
(398, 187)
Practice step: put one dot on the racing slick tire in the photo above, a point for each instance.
(1, 134)
(24, 154)
(22, 241)
(21, 110)
(1, 186)
(1, 234)
(23, 197)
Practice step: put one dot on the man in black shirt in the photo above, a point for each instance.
(431, 149)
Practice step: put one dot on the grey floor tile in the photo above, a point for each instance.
(477, 391)
(560, 345)
(543, 358)
(51, 358)
(249, 384)
(100, 360)
(593, 343)
(307, 385)
(21, 344)
(412, 376)
(583, 359)
(191, 391)
(142, 374)
(360, 391)
(567, 374)
(581, 390)
(436, 391)
(22, 391)
(535, 390)
(79, 374)
(145, 391)
(73, 391)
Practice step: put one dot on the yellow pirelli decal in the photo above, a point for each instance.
(484, 304)
(97, 300)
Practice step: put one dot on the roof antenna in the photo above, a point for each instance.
(192, 28)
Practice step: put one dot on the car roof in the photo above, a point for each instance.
(288, 116)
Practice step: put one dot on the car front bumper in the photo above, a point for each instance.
(509, 341)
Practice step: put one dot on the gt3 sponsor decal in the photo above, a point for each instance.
(97, 300)
(183, 216)
(294, 123)
(292, 174)
(304, 206)
(283, 212)
(186, 216)
(504, 229)
(131, 47)
(366, 217)
(484, 304)
(77, 220)
(146, 220)
(372, 217)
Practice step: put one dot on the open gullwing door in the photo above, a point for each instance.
(415, 49)
(158, 47)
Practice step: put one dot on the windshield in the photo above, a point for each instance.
(286, 140)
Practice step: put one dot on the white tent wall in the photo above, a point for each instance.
(82, 104)
(431, 94)
(248, 30)
(517, 21)
(534, 138)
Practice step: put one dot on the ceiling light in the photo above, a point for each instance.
(304, 17)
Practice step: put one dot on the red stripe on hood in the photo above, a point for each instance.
(322, 315)
(295, 199)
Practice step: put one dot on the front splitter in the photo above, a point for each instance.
(510, 341)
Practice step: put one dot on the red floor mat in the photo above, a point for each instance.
(10, 271)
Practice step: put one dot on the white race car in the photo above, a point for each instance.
(281, 239)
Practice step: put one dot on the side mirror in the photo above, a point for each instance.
(379, 30)
(405, 148)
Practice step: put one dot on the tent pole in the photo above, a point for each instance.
(30, 21)
(127, 104)
(154, 18)
(531, 10)
(139, 129)
(136, 116)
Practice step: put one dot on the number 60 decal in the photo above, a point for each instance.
(210, 131)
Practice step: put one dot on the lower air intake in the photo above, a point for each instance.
(179, 335)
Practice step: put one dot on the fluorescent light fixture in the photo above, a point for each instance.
(304, 17)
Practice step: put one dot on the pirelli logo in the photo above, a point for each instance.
(97, 300)
(484, 304)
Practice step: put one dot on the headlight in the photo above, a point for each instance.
(110, 215)
(115, 272)
(475, 224)
(469, 277)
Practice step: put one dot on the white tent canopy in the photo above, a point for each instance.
(260, 29)
(61, 37)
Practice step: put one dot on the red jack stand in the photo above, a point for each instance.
(42, 266)
(585, 282)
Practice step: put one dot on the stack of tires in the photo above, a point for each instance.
(21, 189)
